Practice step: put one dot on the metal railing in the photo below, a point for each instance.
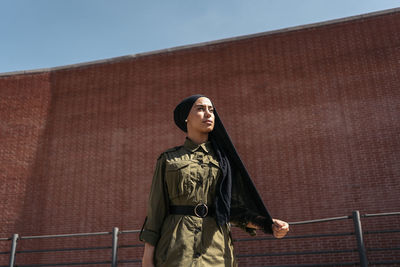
(358, 233)
(113, 255)
(114, 261)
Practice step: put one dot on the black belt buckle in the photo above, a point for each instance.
(201, 210)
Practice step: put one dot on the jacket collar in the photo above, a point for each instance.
(193, 147)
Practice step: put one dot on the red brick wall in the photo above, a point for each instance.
(314, 113)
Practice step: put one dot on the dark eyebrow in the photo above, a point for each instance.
(198, 105)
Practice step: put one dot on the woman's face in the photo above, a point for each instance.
(201, 116)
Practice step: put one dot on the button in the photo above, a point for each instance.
(196, 255)
(200, 158)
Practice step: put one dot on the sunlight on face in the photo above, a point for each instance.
(201, 117)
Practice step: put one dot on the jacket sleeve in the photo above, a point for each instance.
(157, 207)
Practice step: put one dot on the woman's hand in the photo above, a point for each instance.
(148, 255)
(280, 228)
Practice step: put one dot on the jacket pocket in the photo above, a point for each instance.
(177, 177)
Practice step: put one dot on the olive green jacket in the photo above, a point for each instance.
(187, 175)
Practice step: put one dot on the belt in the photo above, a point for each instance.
(201, 210)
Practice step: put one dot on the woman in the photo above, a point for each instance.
(199, 190)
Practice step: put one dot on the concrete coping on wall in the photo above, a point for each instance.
(202, 44)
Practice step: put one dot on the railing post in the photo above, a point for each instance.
(360, 240)
(114, 259)
(13, 249)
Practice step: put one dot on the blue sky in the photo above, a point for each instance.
(49, 33)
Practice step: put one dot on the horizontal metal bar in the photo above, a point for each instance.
(298, 253)
(72, 249)
(382, 231)
(64, 264)
(130, 232)
(74, 263)
(321, 220)
(72, 235)
(131, 246)
(5, 239)
(383, 249)
(129, 261)
(313, 265)
(293, 237)
(62, 249)
(319, 235)
(381, 214)
(383, 262)
(64, 235)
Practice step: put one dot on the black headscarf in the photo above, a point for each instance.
(230, 164)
